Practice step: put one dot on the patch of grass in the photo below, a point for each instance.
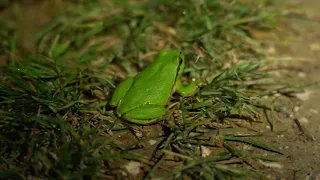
(55, 119)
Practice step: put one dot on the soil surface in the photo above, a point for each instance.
(297, 131)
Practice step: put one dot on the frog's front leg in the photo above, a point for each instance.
(187, 90)
(145, 114)
(120, 91)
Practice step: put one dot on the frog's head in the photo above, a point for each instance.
(172, 56)
(181, 62)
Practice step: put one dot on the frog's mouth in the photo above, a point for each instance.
(180, 59)
(177, 74)
(180, 62)
(179, 67)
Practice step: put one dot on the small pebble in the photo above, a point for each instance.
(314, 47)
(313, 111)
(133, 167)
(138, 133)
(304, 120)
(296, 109)
(205, 151)
(277, 94)
(304, 96)
(277, 74)
(152, 142)
(271, 164)
(269, 176)
(124, 173)
(287, 115)
(302, 74)
(271, 50)
(161, 133)
(282, 109)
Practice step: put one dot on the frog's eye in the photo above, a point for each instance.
(180, 60)
(177, 60)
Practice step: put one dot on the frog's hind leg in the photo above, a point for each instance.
(145, 114)
(121, 90)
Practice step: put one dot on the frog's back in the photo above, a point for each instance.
(152, 86)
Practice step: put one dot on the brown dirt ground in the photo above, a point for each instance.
(299, 38)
